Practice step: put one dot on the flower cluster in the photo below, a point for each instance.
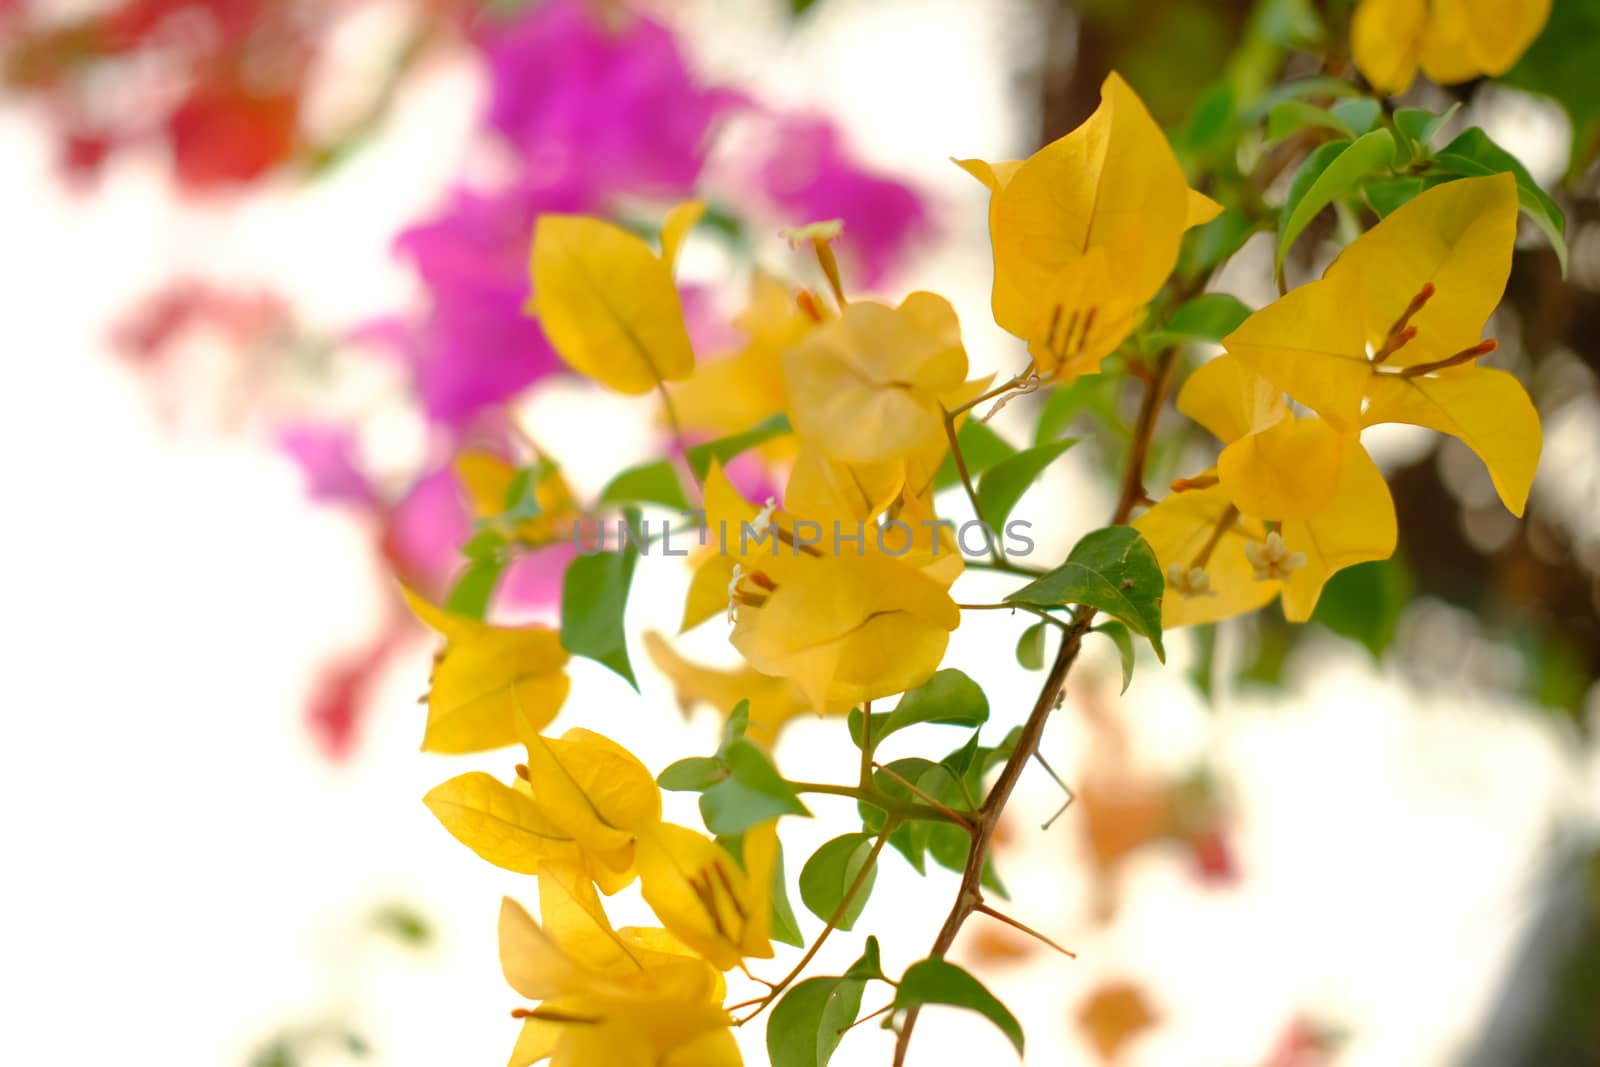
(1390, 333)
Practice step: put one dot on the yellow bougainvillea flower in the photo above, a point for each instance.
(871, 385)
(487, 479)
(704, 897)
(579, 803)
(608, 304)
(1086, 232)
(485, 676)
(618, 998)
(846, 619)
(745, 388)
(773, 701)
(1329, 500)
(1452, 40)
(1391, 331)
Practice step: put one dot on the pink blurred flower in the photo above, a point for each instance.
(327, 456)
(603, 107)
(811, 176)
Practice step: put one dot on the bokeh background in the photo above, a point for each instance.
(260, 265)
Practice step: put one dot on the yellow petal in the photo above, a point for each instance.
(608, 304)
(1178, 529)
(825, 490)
(592, 787)
(1231, 400)
(1084, 313)
(1487, 410)
(1358, 525)
(1498, 32)
(1385, 40)
(994, 176)
(675, 228)
(1309, 344)
(698, 892)
(1200, 209)
(1446, 55)
(1112, 183)
(497, 822)
(485, 677)
(1457, 237)
(848, 628)
(708, 589)
(773, 701)
(533, 963)
(1285, 472)
(865, 388)
(536, 1041)
(714, 1048)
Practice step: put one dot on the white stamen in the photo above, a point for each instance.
(1190, 581)
(763, 519)
(1272, 560)
(733, 592)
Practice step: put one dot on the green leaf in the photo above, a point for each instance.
(734, 727)
(1207, 317)
(937, 981)
(1209, 131)
(725, 448)
(1124, 641)
(1003, 484)
(1327, 174)
(949, 697)
(870, 965)
(785, 927)
(473, 591)
(1418, 126)
(809, 1021)
(1384, 195)
(1364, 602)
(1204, 247)
(981, 447)
(594, 595)
(830, 872)
(693, 775)
(1359, 114)
(1111, 570)
(1319, 85)
(1093, 393)
(1292, 116)
(752, 792)
(1473, 155)
(648, 483)
(1030, 647)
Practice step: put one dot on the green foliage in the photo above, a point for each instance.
(648, 483)
(1111, 570)
(949, 697)
(785, 927)
(474, 589)
(751, 792)
(594, 596)
(725, 448)
(826, 879)
(1207, 317)
(1003, 484)
(810, 1020)
(1330, 172)
(937, 981)
(1124, 641)
(1562, 64)
(1030, 647)
(1364, 602)
(981, 447)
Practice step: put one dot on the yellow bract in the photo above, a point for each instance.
(773, 701)
(487, 479)
(608, 304)
(1452, 40)
(1086, 231)
(623, 998)
(1390, 333)
(846, 610)
(704, 897)
(485, 677)
(869, 386)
